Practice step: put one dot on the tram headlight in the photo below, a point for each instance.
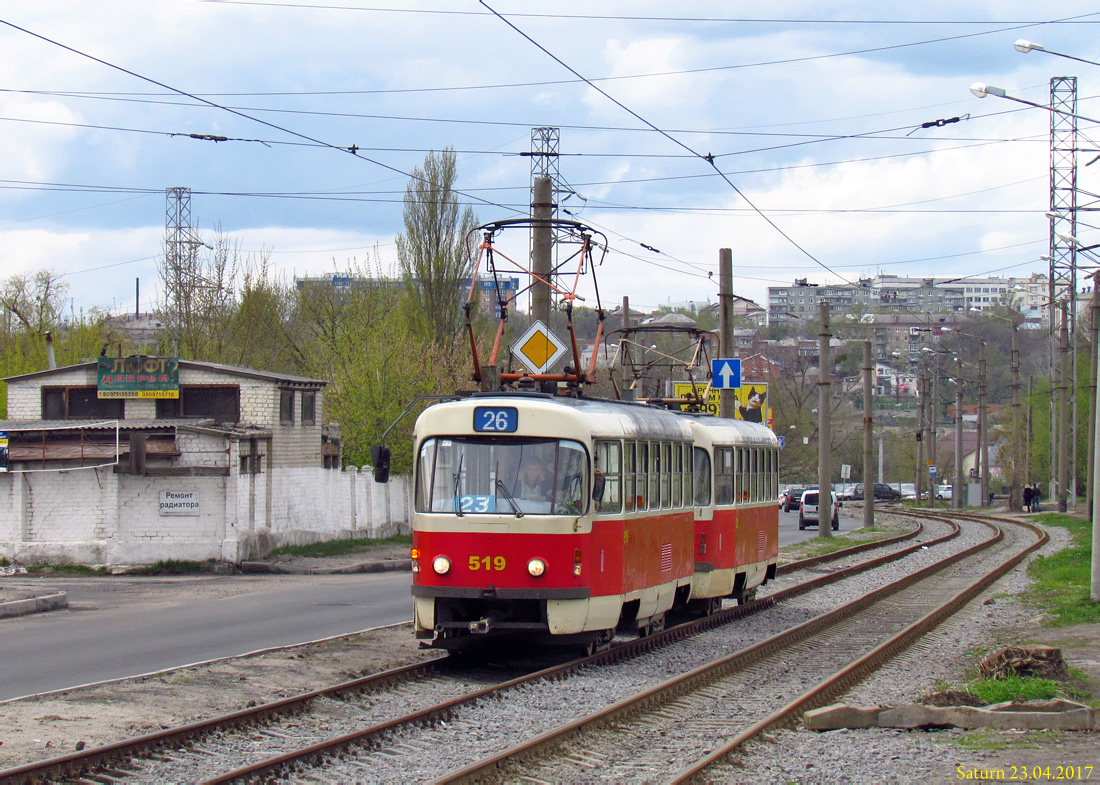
(441, 565)
(536, 567)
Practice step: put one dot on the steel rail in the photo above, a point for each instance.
(492, 767)
(841, 682)
(78, 763)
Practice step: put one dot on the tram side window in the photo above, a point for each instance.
(628, 476)
(701, 474)
(640, 485)
(688, 468)
(608, 462)
(653, 472)
(666, 473)
(747, 475)
(678, 466)
(775, 475)
(723, 476)
(757, 474)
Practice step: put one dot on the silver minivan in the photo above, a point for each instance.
(809, 509)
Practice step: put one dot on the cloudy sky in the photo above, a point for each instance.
(811, 112)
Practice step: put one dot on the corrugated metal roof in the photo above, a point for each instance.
(105, 425)
(231, 370)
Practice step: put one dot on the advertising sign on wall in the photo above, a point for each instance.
(752, 401)
(3, 451)
(179, 502)
(138, 377)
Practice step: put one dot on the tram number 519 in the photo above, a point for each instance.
(487, 563)
(495, 419)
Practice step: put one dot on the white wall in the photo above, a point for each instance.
(99, 517)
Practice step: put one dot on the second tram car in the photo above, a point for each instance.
(563, 519)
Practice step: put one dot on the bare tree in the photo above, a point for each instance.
(198, 299)
(432, 251)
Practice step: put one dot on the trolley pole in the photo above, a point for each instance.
(824, 455)
(628, 364)
(727, 403)
(868, 438)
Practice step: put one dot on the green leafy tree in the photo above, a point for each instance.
(431, 254)
(364, 340)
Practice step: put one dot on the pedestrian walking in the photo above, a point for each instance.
(1036, 498)
(1027, 498)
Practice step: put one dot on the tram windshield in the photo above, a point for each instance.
(516, 477)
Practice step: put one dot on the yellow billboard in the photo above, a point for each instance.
(751, 406)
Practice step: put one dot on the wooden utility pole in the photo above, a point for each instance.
(727, 401)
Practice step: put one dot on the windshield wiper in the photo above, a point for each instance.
(503, 489)
(454, 493)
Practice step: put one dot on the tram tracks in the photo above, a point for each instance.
(298, 730)
(694, 721)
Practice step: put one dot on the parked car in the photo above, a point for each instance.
(789, 497)
(883, 492)
(944, 492)
(809, 509)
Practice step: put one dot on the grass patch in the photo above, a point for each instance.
(1061, 580)
(67, 569)
(341, 547)
(819, 546)
(172, 567)
(1014, 687)
(989, 740)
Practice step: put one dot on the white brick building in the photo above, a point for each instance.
(237, 465)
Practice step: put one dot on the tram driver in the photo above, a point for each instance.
(534, 483)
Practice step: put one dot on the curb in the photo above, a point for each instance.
(49, 602)
(390, 565)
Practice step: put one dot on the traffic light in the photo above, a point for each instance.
(920, 436)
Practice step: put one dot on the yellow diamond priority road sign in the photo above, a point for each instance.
(538, 348)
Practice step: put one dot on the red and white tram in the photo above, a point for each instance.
(736, 518)
(563, 519)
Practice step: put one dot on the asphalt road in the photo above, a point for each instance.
(789, 532)
(121, 627)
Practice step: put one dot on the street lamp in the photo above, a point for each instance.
(981, 90)
(1024, 46)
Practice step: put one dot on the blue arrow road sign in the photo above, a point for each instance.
(725, 374)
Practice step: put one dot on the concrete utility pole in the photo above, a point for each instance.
(1094, 586)
(1015, 498)
(1063, 403)
(727, 401)
(922, 402)
(983, 434)
(957, 497)
(824, 446)
(868, 438)
(1094, 312)
(542, 209)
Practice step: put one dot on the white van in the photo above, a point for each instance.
(809, 509)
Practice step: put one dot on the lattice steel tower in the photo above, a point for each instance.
(1063, 187)
(180, 249)
(1063, 274)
